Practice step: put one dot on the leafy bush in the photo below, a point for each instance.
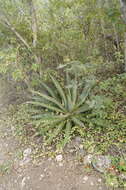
(60, 109)
(107, 125)
(115, 87)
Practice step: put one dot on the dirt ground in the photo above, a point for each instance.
(17, 173)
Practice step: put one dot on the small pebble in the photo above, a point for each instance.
(45, 169)
(99, 180)
(41, 176)
(26, 160)
(27, 152)
(23, 182)
(85, 178)
(92, 184)
(59, 158)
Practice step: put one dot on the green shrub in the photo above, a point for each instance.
(115, 87)
(60, 109)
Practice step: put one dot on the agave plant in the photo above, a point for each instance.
(60, 109)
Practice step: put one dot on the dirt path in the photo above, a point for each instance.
(19, 172)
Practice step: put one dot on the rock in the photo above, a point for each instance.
(41, 177)
(25, 161)
(101, 163)
(88, 159)
(99, 180)
(85, 178)
(76, 142)
(92, 184)
(59, 158)
(27, 152)
(74, 145)
(23, 182)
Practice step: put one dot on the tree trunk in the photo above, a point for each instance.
(34, 27)
(125, 51)
(123, 10)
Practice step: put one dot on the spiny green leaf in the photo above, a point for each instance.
(77, 121)
(49, 90)
(49, 99)
(83, 109)
(46, 117)
(60, 90)
(82, 118)
(74, 93)
(85, 93)
(36, 98)
(45, 106)
(68, 83)
(69, 103)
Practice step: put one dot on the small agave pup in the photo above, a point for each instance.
(61, 109)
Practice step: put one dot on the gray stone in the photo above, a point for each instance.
(27, 152)
(75, 146)
(59, 158)
(25, 161)
(101, 163)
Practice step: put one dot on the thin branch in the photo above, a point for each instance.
(5, 21)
